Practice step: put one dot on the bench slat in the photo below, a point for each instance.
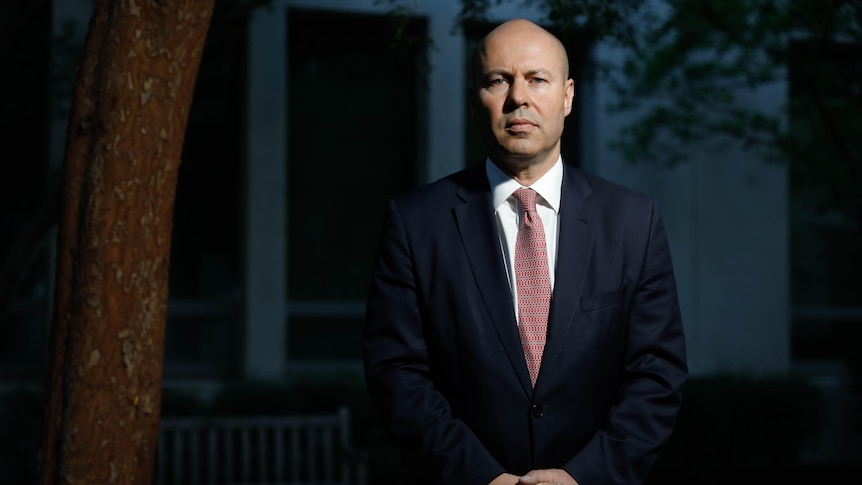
(260, 450)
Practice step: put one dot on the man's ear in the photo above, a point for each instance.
(570, 95)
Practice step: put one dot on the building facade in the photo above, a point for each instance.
(306, 119)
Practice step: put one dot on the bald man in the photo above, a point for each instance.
(522, 322)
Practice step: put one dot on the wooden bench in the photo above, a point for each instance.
(271, 450)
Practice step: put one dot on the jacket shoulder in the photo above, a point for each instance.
(460, 185)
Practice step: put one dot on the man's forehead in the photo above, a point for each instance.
(532, 60)
(520, 45)
(536, 45)
(521, 41)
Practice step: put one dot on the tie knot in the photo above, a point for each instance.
(527, 198)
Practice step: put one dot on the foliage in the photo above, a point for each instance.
(602, 20)
(698, 71)
(406, 43)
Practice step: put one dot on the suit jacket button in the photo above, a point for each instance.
(537, 411)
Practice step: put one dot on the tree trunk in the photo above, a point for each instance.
(123, 148)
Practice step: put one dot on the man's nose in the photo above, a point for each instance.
(518, 93)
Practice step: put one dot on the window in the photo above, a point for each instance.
(826, 183)
(354, 106)
(204, 310)
(28, 191)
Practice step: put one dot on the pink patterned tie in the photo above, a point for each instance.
(532, 281)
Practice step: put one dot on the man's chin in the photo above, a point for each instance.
(518, 151)
(509, 161)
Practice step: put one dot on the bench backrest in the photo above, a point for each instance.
(272, 450)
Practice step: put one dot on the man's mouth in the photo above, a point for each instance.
(520, 125)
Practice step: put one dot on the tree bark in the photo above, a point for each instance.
(123, 148)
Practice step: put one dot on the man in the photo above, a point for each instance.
(482, 373)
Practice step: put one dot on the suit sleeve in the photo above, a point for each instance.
(437, 447)
(652, 374)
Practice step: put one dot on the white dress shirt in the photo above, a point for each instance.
(508, 215)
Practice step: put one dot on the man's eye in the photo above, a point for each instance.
(497, 82)
(538, 80)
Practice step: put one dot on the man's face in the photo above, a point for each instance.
(523, 95)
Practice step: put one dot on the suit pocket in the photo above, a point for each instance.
(603, 300)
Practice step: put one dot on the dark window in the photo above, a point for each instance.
(826, 200)
(28, 189)
(353, 103)
(204, 311)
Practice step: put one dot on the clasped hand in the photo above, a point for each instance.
(536, 477)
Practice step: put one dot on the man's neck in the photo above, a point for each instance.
(525, 170)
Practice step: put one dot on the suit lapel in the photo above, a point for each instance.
(574, 249)
(476, 224)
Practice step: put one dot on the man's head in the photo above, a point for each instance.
(522, 94)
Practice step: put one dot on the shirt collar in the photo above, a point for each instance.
(548, 187)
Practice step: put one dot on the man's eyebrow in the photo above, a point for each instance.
(532, 72)
(542, 71)
(501, 72)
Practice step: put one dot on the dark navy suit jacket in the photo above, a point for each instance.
(443, 360)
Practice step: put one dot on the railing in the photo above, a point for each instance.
(271, 450)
